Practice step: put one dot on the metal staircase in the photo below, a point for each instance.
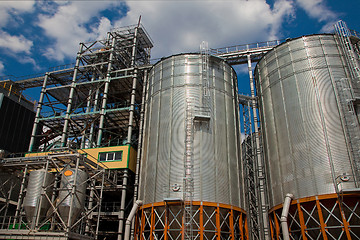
(204, 50)
(348, 95)
(188, 177)
(199, 114)
(346, 41)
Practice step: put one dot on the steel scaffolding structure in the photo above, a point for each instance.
(248, 160)
(94, 104)
(55, 224)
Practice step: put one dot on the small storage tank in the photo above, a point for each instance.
(306, 146)
(2, 153)
(200, 90)
(33, 198)
(69, 178)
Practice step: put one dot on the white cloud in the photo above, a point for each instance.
(10, 16)
(175, 26)
(9, 8)
(67, 27)
(180, 26)
(15, 44)
(318, 10)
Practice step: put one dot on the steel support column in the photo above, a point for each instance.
(21, 196)
(123, 204)
(37, 116)
(88, 108)
(71, 95)
(73, 195)
(105, 94)
(133, 89)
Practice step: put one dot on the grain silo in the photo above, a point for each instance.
(307, 94)
(190, 179)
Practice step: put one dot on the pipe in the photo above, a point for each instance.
(123, 204)
(284, 215)
(129, 219)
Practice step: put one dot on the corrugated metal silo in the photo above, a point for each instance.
(35, 203)
(176, 91)
(71, 203)
(306, 147)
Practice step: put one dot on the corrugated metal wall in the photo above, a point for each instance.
(216, 143)
(304, 141)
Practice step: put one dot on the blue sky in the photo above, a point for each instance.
(37, 35)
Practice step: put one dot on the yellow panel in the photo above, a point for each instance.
(37, 154)
(127, 153)
(132, 159)
(128, 156)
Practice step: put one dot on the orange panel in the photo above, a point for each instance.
(321, 219)
(271, 230)
(241, 226)
(142, 224)
(152, 224)
(346, 224)
(231, 222)
(218, 223)
(201, 220)
(277, 227)
(166, 227)
(246, 229)
(302, 222)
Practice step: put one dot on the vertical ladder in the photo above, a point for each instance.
(344, 35)
(347, 92)
(188, 178)
(345, 98)
(204, 50)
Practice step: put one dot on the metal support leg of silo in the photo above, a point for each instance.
(320, 217)
(164, 220)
